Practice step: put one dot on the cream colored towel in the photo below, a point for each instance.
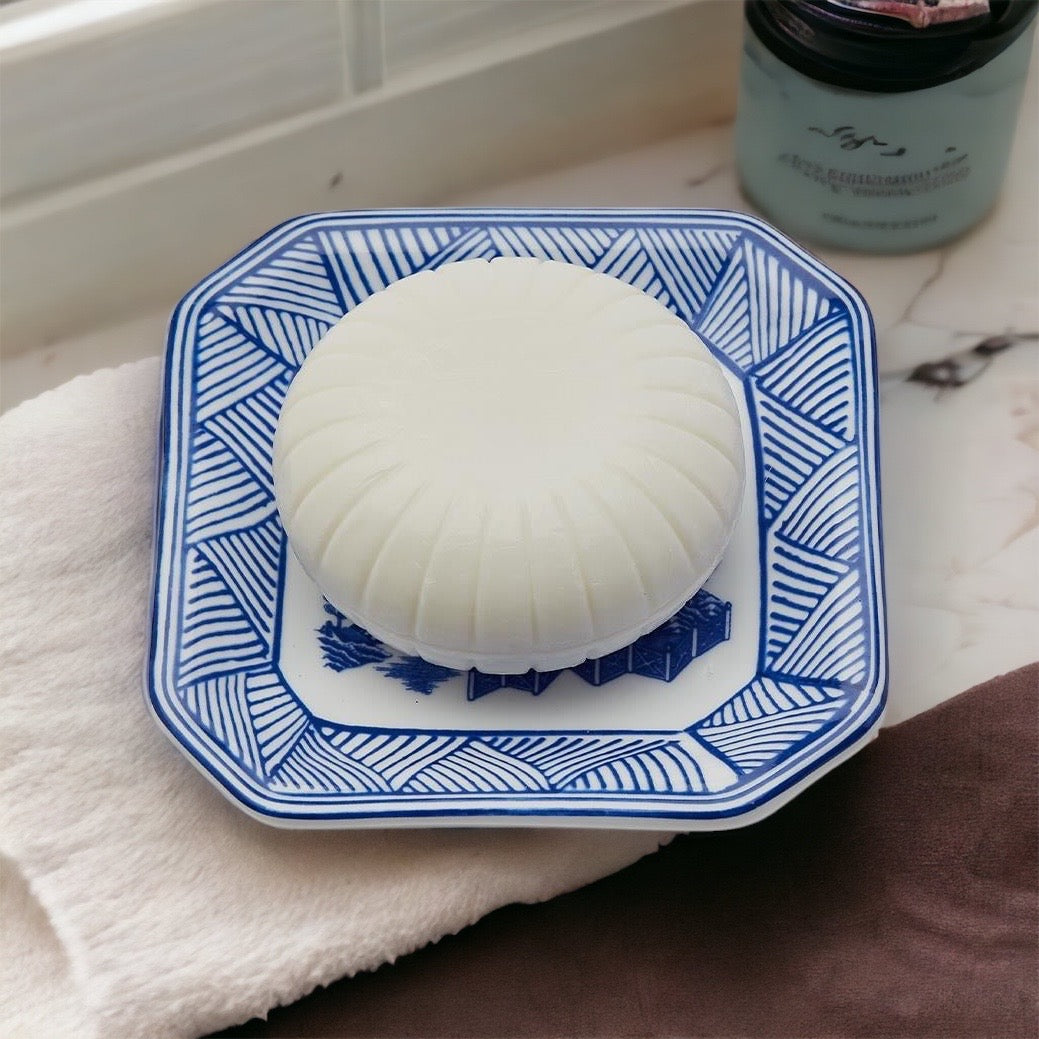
(137, 901)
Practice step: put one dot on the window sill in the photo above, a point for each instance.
(132, 242)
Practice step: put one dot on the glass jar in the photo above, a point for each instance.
(879, 125)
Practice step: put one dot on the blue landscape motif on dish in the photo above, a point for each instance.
(795, 337)
(699, 626)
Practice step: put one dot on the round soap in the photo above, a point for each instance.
(509, 464)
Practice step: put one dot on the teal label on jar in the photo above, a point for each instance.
(886, 172)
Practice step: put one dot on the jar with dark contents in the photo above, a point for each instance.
(880, 125)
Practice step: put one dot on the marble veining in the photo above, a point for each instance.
(963, 366)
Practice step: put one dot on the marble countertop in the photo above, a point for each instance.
(958, 353)
(958, 335)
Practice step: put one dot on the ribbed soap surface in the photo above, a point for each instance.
(509, 464)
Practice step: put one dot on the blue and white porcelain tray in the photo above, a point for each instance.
(772, 675)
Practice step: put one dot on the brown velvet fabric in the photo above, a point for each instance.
(896, 897)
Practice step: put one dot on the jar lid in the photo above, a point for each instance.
(888, 46)
(920, 13)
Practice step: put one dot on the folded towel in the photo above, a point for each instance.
(137, 900)
(895, 898)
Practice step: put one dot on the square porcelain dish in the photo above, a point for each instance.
(769, 677)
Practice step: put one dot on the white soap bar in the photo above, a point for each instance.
(509, 464)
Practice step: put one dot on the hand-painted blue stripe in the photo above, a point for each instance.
(359, 264)
(814, 373)
(410, 760)
(757, 305)
(246, 561)
(687, 271)
(314, 765)
(825, 513)
(218, 705)
(562, 770)
(491, 770)
(247, 427)
(793, 448)
(831, 644)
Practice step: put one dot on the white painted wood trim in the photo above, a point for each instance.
(107, 249)
(157, 87)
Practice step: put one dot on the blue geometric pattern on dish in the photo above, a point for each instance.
(663, 653)
(797, 337)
